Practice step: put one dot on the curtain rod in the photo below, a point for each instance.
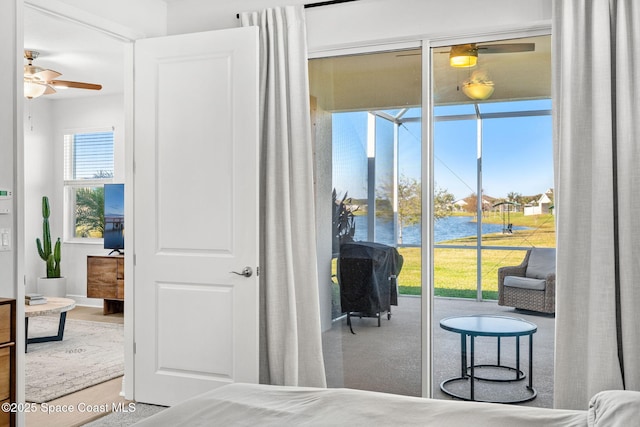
(326, 3)
(318, 4)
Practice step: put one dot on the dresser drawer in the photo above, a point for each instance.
(101, 277)
(105, 279)
(120, 274)
(120, 289)
(5, 323)
(5, 373)
(5, 417)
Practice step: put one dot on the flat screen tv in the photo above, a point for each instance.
(114, 217)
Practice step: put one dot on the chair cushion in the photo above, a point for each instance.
(542, 262)
(525, 283)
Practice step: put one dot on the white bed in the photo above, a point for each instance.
(265, 405)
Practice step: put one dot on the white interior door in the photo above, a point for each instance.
(195, 213)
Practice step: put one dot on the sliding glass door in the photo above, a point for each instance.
(492, 159)
(486, 155)
(369, 105)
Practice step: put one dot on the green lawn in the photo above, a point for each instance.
(455, 270)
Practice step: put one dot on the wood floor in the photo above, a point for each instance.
(99, 396)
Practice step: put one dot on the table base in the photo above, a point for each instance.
(520, 375)
(532, 393)
(63, 318)
(468, 372)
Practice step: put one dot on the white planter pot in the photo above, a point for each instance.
(52, 287)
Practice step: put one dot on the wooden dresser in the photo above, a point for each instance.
(105, 279)
(7, 358)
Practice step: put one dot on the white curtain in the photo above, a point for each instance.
(290, 336)
(596, 94)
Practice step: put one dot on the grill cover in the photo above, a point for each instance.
(366, 274)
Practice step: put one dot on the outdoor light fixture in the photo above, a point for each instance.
(478, 86)
(478, 90)
(33, 90)
(463, 56)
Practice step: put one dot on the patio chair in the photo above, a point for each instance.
(532, 284)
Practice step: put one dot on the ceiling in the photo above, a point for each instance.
(84, 54)
(516, 76)
(78, 52)
(394, 79)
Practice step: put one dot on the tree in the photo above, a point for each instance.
(515, 197)
(344, 226)
(472, 203)
(90, 208)
(90, 212)
(442, 202)
(409, 203)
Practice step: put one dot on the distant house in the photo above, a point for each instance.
(459, 205)
(487, 202)
(542, 206)
(468, 204)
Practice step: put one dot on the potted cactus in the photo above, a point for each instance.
(53, 284)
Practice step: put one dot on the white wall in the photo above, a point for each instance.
(146, 18)
(44, 158)
(39, 149)
(366, 21)
(190, 16)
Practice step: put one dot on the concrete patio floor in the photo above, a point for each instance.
(387, 358)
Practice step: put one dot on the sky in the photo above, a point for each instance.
(517, 152)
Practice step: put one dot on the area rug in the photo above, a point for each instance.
(123, 419)
(89, 354)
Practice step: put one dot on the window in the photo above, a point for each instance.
(88, 165)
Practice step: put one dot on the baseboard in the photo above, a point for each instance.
(84, 301)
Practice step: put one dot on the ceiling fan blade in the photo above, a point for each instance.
(46, 75)
(76, 85)
(49, 90)
(507, 48)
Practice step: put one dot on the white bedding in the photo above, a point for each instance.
(264, 405)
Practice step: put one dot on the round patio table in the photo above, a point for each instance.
(489, 326)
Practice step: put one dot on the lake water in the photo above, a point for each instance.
(447, 228)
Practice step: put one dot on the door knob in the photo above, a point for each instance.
(246, 272)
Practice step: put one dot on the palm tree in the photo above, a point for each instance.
(515, 197)
(344, 226)
(90, 212)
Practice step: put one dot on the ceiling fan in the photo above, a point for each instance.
(466, 55)
(40, 81)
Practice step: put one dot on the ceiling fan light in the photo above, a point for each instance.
(478, 90)
(463, 56)
(33, 90)
(29, 71)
